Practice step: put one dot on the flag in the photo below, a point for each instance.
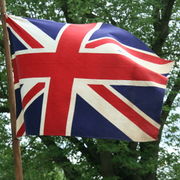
(88, 80)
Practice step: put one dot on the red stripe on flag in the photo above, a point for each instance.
(126, 110)
(21, 131)
(23, 34)
(32, 93)
(141, 55)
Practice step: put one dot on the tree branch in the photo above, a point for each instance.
(169, 101)
(161, 31)
(64, 6)
(162, 18)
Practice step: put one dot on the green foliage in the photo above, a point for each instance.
(169, 163)
(6, 159)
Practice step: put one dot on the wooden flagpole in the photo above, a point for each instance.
(12, 104)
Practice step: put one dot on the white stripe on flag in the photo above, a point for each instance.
(109, 112)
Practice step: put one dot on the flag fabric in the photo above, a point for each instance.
(87, 80)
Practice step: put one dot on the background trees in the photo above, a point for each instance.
(156, 23)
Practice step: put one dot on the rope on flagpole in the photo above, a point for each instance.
(12, 104)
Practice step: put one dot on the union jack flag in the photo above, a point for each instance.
(87, 80)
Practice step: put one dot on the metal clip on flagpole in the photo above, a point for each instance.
(12, 106)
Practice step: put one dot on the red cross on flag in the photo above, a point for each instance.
(87, 80)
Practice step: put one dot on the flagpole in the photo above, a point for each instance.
(12, 104)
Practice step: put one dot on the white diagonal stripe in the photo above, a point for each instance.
(135, 108)
(110, 48)
(28, 84)
(133, 48)
(34, 31)
(19, 37)
(87, 36)
(49, 44)
(110, 113)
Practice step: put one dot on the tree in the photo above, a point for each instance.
(154, 22)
